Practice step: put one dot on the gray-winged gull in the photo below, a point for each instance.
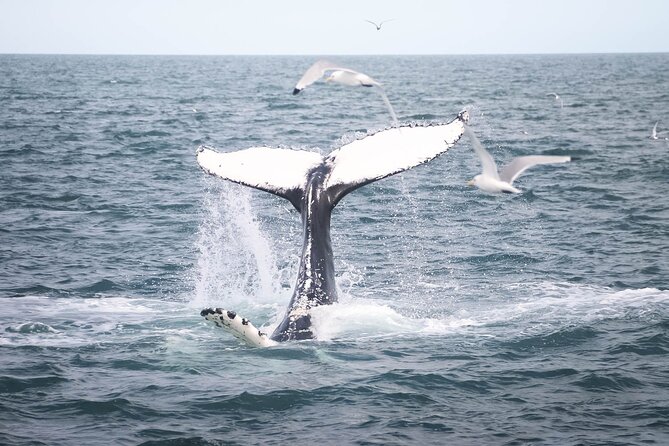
(492, 181)
(331, 72)
(378, 26)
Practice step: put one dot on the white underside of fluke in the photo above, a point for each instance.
(269, 169)
(238, 326)
(367, 159)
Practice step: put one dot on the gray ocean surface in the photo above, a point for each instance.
(464, 318)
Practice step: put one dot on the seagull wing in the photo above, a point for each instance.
(369, 21)
(389, 152)
(518, 165)
(487, 161)
(282, 172)
(315, 72)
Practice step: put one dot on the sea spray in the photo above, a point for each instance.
(236, 262)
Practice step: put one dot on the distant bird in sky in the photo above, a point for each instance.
(345, 76)
(557, 98)
(378, 26)
(492, 181)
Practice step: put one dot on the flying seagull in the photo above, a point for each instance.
(378, 26)
(557, 98)
(345, 76)
(331, 72)
(491, 181)
(653, 133)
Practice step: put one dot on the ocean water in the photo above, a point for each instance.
(464, 318)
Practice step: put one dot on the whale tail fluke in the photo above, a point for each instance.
(314, 185)
(390, 152)
(285, 172)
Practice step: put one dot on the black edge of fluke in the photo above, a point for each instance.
(296, 91)
(464, 116)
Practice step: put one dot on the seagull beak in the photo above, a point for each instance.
(470, 183)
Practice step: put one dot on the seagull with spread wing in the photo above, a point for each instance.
(557, 98)
(378, 26)
(492, 181)
(654, 132)
(333, 73)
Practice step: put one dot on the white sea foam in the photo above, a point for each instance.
(532, 306)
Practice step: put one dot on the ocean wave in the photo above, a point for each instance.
(175, 439)
(564, 337)
(31, 327)
(598, 382)
(10, 384)
(103, 285)
(109, 407)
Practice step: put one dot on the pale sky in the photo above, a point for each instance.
(320, 27)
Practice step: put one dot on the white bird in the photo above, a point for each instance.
(344, 76)
(491, 181)
(333, 73)
(378, 26)
(557, 98)
(653, 133)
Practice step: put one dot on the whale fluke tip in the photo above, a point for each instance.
(464, 116)
(296, 90)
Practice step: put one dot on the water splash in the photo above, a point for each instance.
(237, 263)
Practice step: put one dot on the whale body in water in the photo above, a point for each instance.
(314, 184)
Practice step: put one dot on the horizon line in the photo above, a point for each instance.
(329, 54)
